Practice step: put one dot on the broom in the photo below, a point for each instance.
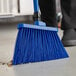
(37, 43)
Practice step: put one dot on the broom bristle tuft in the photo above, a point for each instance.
(34, 45)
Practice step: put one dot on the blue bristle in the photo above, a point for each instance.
(34, 45)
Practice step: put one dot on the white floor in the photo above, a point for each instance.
(64, 67)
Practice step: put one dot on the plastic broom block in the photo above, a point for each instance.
(35, 44)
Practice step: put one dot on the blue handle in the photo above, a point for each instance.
(36, 5)
(36, 10)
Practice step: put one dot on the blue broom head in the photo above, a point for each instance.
(36, 44)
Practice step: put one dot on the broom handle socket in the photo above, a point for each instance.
(36, 16)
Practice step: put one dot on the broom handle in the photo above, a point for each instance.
(36, 6)
(36, 16)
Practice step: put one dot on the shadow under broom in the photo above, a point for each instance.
(36, 43)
